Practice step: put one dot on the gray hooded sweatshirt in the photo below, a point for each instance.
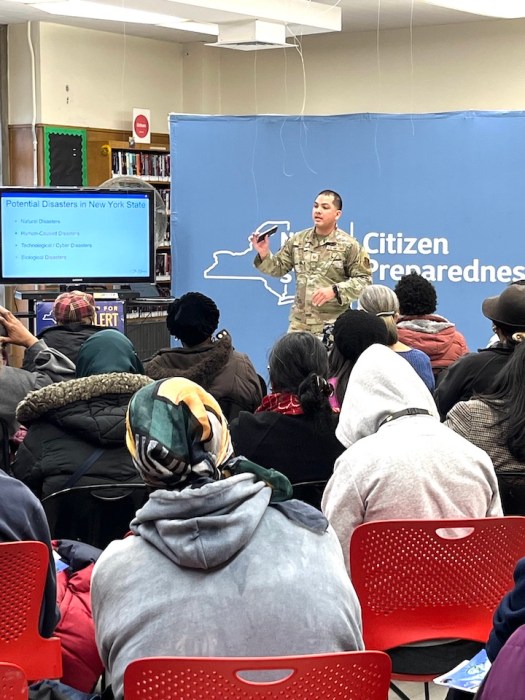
(214, 571)
(411, 467)
(45, 366)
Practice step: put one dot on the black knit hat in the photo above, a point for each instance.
(355, 331)
(192, 318)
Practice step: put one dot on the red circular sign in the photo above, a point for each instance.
(141, 126)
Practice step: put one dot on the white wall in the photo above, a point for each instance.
(107, 75)
(478, 65)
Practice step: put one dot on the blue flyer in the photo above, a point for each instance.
(468, 675)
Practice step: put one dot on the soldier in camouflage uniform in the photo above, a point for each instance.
(331, 267)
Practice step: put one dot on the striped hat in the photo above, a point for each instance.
(175, 432)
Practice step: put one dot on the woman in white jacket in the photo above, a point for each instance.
(400, 461)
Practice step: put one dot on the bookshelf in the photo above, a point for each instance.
(151, 163)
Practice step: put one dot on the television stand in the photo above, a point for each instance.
(101, 294)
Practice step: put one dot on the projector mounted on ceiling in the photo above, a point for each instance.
(252, 35)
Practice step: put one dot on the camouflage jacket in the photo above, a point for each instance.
(319, 262)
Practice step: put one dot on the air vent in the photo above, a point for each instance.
(254, 35)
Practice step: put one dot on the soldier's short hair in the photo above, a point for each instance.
(338, 202)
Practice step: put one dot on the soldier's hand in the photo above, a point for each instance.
(321, 296)
(262, 247)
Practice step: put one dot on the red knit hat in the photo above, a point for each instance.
(72, 307)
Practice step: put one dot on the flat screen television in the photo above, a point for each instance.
(76, 236)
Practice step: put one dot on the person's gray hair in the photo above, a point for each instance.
(381, 301)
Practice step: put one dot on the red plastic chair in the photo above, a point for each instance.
(23, 570)
(416, 584)
(13, 682)
(352, 675)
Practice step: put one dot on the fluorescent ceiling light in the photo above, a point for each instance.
(93, 10)
(505, 9)
(190, 26)
(31, 2)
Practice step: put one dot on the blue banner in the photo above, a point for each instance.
(108, 314)
(439, 193)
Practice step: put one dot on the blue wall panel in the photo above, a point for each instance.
(441, 191)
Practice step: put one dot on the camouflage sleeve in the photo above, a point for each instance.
(358, 273)
(279, 264)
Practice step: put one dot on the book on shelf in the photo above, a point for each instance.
(163, 264)
(145, 164)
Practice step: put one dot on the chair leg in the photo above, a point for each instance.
(427, 691)
(398, 691)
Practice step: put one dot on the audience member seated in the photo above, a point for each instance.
(506, 645)
(353, 332)
(400, 461)
(44, 366)
(22, 518)
(293, 430)
(76, 421)
(382, 302)
(215, 566)
(495, 421)
(81, 663)
(228, 375)
(506, 677)
(420, 327)
(475, 372)
(74, 313)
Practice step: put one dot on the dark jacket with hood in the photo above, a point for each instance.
(67, 422)
(471, 374)
(67, 338)
(226, 374)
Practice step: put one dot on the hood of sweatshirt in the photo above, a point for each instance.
(201, 528)
(381, 383)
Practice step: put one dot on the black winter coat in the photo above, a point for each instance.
(67, 339)
(294, 445)
(471, 374)
(67, 422)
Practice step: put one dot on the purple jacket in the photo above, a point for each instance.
(506, 678)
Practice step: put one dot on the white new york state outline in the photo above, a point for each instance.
(283, 298)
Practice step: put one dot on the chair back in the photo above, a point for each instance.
(95, 514)
(310, 492)
(416, 582)
(23, 571)
(512, 492)
(350, 675)
(13, 682)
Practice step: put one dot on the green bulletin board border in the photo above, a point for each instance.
(48, 130)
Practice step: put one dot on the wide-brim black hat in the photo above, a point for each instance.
(508, 307)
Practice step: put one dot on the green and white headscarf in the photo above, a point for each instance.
(175, 430)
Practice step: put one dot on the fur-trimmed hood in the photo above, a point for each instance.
(116, 387)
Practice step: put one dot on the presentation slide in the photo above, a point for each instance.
(75, 235)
